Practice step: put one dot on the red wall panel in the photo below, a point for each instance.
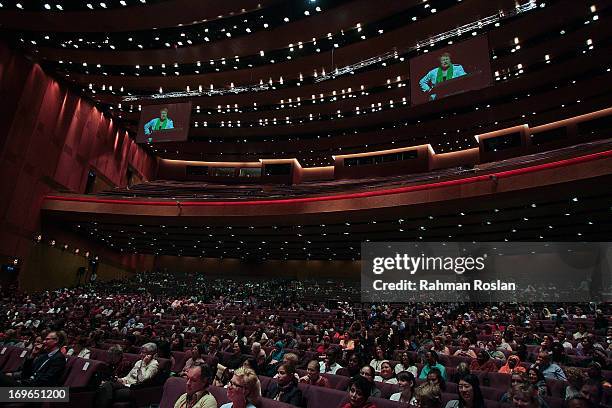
(49, 138)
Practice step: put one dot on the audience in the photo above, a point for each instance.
(536, 379)
(470, 395)
(406, 383)
(483, 362)
(428, 396)
(513, 365)
(143, 371)
(360, 390)
(199, 377)
(406, 364)
(243, 390)
(525, 396)
(367, 372)
(285, 389)
(196, 358)
(431, 362)
(205, 317)
(44, 366)
(313, 377)
(548, 369)
(387, 375)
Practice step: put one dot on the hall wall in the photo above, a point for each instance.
(50, 137)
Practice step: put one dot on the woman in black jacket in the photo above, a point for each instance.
(286, 390)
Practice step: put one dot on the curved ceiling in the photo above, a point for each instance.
(299, 115)
(140, 15)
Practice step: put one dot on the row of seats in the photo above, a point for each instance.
(316, 397)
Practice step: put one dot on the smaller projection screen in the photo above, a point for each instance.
(164, 123)
(451, 70)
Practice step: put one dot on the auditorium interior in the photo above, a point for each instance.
(194, 191)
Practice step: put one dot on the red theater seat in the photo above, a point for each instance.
(15, 357)
(173, 388)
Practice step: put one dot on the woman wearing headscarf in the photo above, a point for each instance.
(513, 365)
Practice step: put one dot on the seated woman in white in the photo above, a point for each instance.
(387, 375)
(406, 383)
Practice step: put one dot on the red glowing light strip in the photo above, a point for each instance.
(398, 190)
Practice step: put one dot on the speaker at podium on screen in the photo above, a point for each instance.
(164, 123)
(451, 70)
(161, 123)
(440, 74)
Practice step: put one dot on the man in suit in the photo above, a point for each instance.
(44, 367)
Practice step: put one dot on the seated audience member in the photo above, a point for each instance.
(548, 369)
(387, 375)
(360, 390)
(199, 377)
(495, 353)
(44, 366)
(439, 346)
(378, 359)
(562, 339)
(470, 395)
(516, 379)
(578, 402)
(177, 342)
(353, 366)
(367, 372)
(277, 354)
(558, 355)
(525, 396)
(536, 379)
(213, 349)
(594, 373)
(116, 367)
(144, 370)
(500, 343)
(406, 383)
(434, 377)
(463, 369)
(581, 332)
(330, 364)
(313, 377)
(325, 343)
(513, 365)
(347, 342)
(79, 349)
(285, 389)
(483, 362)
(289, 358)
(243, 390)
(406, 364)
(593, 391)
(575, 380)
(196, 358)
(428, 396)
(431, 361)
(235, 360)
(464, 350)
(256, 350)
(226, 346)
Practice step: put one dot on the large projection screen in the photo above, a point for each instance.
(451, 70)
(164, 123)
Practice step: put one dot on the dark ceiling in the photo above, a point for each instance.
(121, 50)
